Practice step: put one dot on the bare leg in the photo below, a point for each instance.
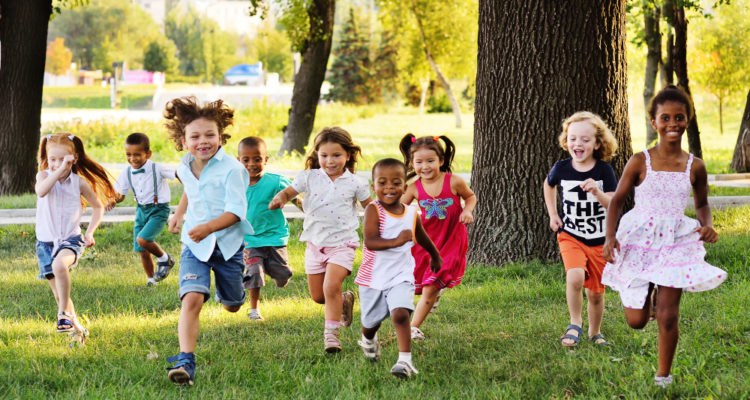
(188, 327)
(64, 259)
(637, 318)
(151, 247)
(148, 263)
(315, 284)
(429, 295)
(254, 295)
(595, 310)
(400, 317)
(668, 318)
(334, 278)
(369, 333)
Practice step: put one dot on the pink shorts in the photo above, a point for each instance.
(316, 258)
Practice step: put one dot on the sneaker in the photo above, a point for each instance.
(151, 282)
(331, 340)
(416, 334)
(254, 314)
(403, 370)
(182, 371)
(347, 312)
(371, 350)
(163, 268)
(437, 301)
(663, 381)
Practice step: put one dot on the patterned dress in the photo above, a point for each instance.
(657, 242)
(440, 220)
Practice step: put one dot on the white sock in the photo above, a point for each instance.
(152, 280)
(405, 356)
(164, 257)
(370, 341)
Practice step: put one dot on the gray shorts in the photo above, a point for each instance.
(271, 260)
(376, 305)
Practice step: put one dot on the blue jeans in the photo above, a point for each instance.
(45, 256)
(195, 276)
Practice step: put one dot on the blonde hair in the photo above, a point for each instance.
(604, 137)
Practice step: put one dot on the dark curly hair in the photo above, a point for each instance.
(338, 135)
(671, 93)
(182, 111)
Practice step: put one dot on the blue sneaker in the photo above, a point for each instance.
(182, 371)
(163, 268)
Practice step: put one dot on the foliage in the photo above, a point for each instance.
(351, 75)
(387, 80)
(160, 56)
(274, 50)
(58, 57)
(59, 5)
(438, 104)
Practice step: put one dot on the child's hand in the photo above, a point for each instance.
(466, 217)
(589, 185)
(277, 202)
(110, 205)
(555, 223)
(88, 239)
(174, 224)
(199, 232)
(707, 234)
(436, 263)
(610, 249)
(404, 237)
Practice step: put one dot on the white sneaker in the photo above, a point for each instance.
(372, 350)
(416, 334)
(663, 381)
(403, 370)
(254, 314)
(437, 301)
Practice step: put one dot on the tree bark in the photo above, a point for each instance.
(679, 60)
(23, 47)
(651, 16)
(538, 62)
(312, 70)
(741, 157)
(667, 71)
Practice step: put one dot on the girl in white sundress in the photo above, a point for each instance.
(658, 251)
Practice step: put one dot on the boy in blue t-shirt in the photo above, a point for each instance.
(265, 250)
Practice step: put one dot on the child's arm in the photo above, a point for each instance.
(366, 202)
(175, 222)
(702, 209)
(409, 194)
(550, 201)
(282, 198)
(371, 233)
(117, 200)
(96, 212)
(225, 220)
(459, 186)
(589, 185)
(630, 176)
(45, 182)
(436, 262)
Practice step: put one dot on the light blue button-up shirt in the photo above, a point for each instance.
(221, 188)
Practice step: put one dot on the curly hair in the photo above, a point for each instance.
(182, 111)
(338, 135)
(604, 137)
(410, 143)
(671, 93)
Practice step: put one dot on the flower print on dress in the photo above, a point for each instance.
(436, 207)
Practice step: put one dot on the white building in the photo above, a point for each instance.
(232, 16)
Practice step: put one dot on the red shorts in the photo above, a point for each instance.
(577, 255)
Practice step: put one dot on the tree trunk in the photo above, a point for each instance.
(23, 39)
(721, 115)
(444, 82)
(741, 157)
(306, 92)
(679, 59)
(537, 63)
(667, 71)
(651, 16)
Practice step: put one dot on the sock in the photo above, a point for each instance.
(369, 341)
(331, 324)
(164, 257)
(152, 279)
(405, 356)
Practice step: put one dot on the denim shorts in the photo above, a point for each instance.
(195, 276)
(45, 255)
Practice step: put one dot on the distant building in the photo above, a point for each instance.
(157, 9)
(232, 16)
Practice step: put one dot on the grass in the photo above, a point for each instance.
(494, 336)
(131, 97)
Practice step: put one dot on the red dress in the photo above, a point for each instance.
(440, 218)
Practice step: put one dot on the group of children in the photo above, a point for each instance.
(230, 221)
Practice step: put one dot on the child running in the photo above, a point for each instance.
(386, 276)
(587, 183)
(331, 222)
(439, 194)
(66, 179)
(658, 252)
(214, 207)
(265, 250)
(148, 181)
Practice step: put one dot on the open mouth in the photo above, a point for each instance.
(578, 153)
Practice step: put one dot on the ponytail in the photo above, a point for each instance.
(409, 144)
(450, 152)
(405, 147)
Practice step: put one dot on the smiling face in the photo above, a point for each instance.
(426, 163)
(582, 142)
(254, 159)
(202, 139)
(671, 120)
(388, 182)
(332, 159)
(136, 155)
(56, 153)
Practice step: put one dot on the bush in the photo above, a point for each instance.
(439, 104)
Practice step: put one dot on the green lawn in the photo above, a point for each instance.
(494, 336)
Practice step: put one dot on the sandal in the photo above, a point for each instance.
(65, 322)
(575, 339)
(599, 336)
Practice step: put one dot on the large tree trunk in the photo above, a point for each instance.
(312, 70)
(679, 59)
(538, 62)
(23, 47)
(741, 157)
(667, 70)
(651, 16)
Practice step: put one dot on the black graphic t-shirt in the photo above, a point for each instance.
(582, 214)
